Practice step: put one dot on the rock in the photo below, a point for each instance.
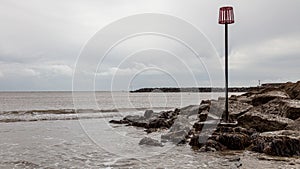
(197, 141)
(205, 102)
(205, 115)
(244, 99)
(263, 122)
(160, 123)
(181, 123)
(134, 118)
(175, 137)
(209, 125)
(263, 98)
(140, 123)
(235, 141)
(148, 113)
(234, 138)
(194, 109)
(234, 159)
(151, 130)
(209, 145)
(166, 114)
(291, 109)
(292, 89)
(278, 143)
(281, 107)
(150, 142)
(180, 129)
(217, 107)
(295, 125)
(150, 120)
(237, 108)
(117, 121)
(233, 97)
(272, 107)
(198, 126)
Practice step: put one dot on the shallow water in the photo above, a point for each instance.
(65, 144)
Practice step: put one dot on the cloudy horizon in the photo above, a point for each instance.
(41, 41)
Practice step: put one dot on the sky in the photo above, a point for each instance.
(45, 43)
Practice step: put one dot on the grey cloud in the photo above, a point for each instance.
(40, 41)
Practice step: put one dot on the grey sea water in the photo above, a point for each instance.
(42, 130)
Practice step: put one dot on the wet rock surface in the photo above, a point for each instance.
(150, 142)
(295, 125)
(291, 109)
(278, 143)
(263, 122)
(268, 121)
(265, 97)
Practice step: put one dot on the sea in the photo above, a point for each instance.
(72, 130)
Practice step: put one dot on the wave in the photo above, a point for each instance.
(68, 114)
(76, 111)
(43, 117)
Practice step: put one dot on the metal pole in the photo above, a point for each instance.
(226, 73)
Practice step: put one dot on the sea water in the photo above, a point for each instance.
(46, 130)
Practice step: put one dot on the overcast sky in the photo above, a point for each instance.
(41, 40)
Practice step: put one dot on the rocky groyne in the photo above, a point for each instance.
(264, 120)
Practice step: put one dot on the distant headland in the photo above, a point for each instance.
(204, 89)
(193, 89)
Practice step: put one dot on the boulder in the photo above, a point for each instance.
(244, 99)
(291, 109)
(234, 138)
(160, 123)
(140, 123)
(237, 108)
(175, 137)
(205, 115)
(292, 89)
(234, 141)
(217, 107)
(166, 114)
(263, 98)
(209, 125)
(148, 113)
(272, 107)
(211, 145)
(151, 130)
(263, 122)
(134, 118)
(194, 109)
(181, 123)
(118, 121)
(278, 143)
(198, 141)
(295, 125)
(150, 142)
(198, 126)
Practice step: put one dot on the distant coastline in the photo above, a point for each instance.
(194, 89)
